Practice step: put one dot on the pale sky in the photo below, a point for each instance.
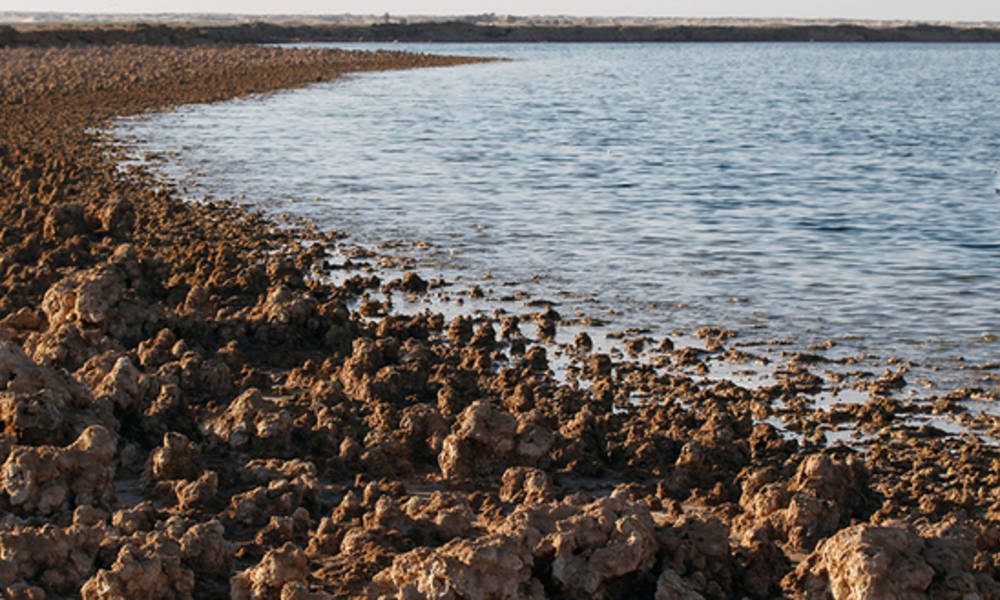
(927, 10)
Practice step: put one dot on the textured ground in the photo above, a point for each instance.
(189, 410)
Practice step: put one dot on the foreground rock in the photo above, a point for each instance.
(866, 561)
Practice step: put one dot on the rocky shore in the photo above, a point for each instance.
(190, 409)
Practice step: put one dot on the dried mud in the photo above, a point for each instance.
(190, 408)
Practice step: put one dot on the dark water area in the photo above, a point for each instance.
(800, 191)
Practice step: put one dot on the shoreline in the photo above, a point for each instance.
(193, 409)
(457, 31)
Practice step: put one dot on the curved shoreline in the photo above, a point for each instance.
(191, 408)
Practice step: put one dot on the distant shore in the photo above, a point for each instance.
(465, 31)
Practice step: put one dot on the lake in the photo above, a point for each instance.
(799, 191)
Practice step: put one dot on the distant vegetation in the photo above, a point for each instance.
(32, 29)
(50, 18)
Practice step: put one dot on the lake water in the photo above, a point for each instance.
(804, 191)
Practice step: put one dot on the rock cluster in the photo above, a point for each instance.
(189, 409)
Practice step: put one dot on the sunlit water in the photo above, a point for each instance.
(805, 191)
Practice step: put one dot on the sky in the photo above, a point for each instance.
(926, 10)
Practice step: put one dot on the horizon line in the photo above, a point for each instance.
(490, 17)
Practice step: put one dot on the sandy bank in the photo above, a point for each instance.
(190, 410)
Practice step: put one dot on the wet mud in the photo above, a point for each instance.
(192, 408)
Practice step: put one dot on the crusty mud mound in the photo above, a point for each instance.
(190, 410)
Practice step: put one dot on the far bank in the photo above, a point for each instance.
(466, 31)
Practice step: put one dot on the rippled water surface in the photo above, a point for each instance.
(810, 191)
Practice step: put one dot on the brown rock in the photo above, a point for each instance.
(598, 365)
(67, 345)
(824, 495)
(447, 515)
(283, 306)
(413, 284)
(526, 485)
(460, 331)
(198, 492)
(265, 470)
(49, 558)
(280, 530)
(156, 350)
(482, 435)
(251, 420)
(44, 479)
(608, 540)
(893, 561)
(114, 380)
(64, 221)
(198, 302)
(24, 319)
(114, 216)
(205, 547)
(670, 586)
(85, 297)
(41, 405)
(865, 562)
(279, 497)
(148, 569)
(699, 551)
(177, 458)
(138, 518)
(587, 549)
(491, 566)
(279, 569)
(533, 440)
